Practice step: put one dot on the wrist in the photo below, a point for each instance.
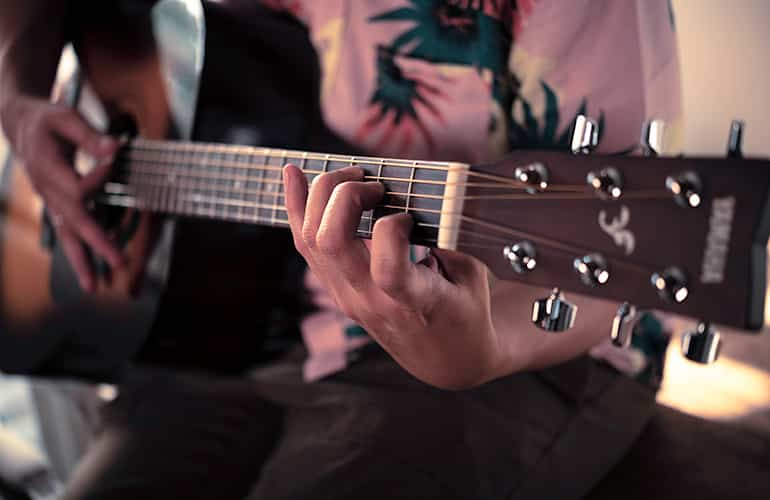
(13, 110)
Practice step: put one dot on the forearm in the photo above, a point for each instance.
(525, 347)
(32, 34)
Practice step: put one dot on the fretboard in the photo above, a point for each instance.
(244, 184)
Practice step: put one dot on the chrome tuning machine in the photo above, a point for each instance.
(521, 256)
(686, 188)
(735, 140)
(623, 325)
(607, 183)
(671, 285)
(585, 135)
(535, 176)
(554, 313)
(592, 269)
(652, 137)
(702, 345)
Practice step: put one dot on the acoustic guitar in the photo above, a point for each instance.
(198, 208)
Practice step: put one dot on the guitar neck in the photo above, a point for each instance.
(244, 184)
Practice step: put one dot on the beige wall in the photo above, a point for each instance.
(725, 58)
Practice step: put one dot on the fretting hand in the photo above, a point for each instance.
(433, 317)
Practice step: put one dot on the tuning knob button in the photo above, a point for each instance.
(703, 345)
(535, 176)
(671, 285)
(607, 183)
(652, 137)
(585, 135)
(521, 256)
(735, 140)
(623, 325)
(686, 188)
(592, 269)
(554, 313)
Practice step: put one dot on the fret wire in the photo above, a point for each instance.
(208, 208)
(409, 187)
(325, 167)
(304, 162)
(176, 205)
(279, 187)
(262, 182)
(237, 184)
(371, 219)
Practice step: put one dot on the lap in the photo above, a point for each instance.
(372, 431)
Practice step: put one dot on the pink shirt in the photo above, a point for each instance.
(469, 80)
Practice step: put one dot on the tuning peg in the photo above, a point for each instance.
(592, 269)
(623, 325)
(687, 189)
(585, 135)
(554, 313)
(521, 256)
(703, 345)
(607, 183)
(735, 140)
(671, 284)
(534, 176)
(652, 137)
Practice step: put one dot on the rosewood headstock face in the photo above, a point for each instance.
(685, 235)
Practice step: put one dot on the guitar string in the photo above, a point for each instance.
(637, 195)
(174, 165)
(352, 160)
(175, 180)
(567, 248)
(256, 217)
(177, 172)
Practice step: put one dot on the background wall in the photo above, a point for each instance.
(725, 61)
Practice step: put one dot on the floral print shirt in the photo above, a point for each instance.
(469, 80)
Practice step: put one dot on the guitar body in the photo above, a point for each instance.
(195, 293)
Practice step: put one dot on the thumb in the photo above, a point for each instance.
(459, 268)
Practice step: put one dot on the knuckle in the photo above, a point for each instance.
(328, 242)
(299, 243)
(308, 237)
(324, 182)
(386, 224)
(348, 193)
(392, 224)
(349, 311)
(385, 275)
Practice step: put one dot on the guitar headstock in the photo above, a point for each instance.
(685, 235)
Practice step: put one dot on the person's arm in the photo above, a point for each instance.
(438, 318)
(44, 134)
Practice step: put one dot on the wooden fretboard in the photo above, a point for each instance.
(244, 184)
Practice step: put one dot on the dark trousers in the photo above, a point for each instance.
(370, 432)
